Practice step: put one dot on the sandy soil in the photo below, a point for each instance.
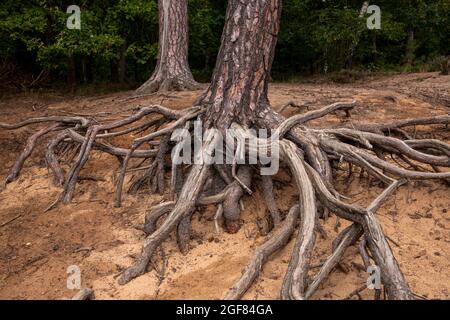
(37, 248)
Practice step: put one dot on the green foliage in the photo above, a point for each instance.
(206, 19)
(327, 36)
(315, 37)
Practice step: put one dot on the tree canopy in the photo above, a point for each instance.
(315, 37)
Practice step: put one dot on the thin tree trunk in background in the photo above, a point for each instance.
(410, 49)
(239, 86)
(445, 66)
(135, 69)
(206, 65)
(374, 47)
(84, 71)
(113, 70)
(172, 70)
(351, 52)
(89, 69)
(123, 62)
(71, 73)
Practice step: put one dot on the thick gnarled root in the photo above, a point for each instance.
(183, 207)
(276, 240)
(29, 147)
(165, 83)
(294, 284)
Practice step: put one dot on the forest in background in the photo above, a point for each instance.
(118, 40)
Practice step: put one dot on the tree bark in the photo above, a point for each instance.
(122, 67)
(410, 49)
(172, 70)
(71, 73)
(445, 66)
(239, 86)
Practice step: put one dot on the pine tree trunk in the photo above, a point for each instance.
(122, 67)
(239, 87)
(445, 66)
(410, 49)
(72, 74)
(172, 70)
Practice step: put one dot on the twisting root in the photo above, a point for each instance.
(151, 218)
(267, 186)
(275, 242)
(231, 206)
(155, 173)
(31, 143)
(52, 159)
(184, 206)
(349, 236)
(62, 120)
(294, 284)
(81, 130)
(391, 275)
(83, 156)
(184, 233)
(363, 252)
(356, 292)
(218, 218)
(181, 120)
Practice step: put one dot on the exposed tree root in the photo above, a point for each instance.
(84, 294)
(276, 241)
(183, 207)
(52, 159)
(231, 205)
(267, 186)
(31, 143)
(356, 292)
(160, 83)
(349, 236)
(310, 154)
(294, 284)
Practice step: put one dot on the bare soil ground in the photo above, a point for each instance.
(36, 248)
